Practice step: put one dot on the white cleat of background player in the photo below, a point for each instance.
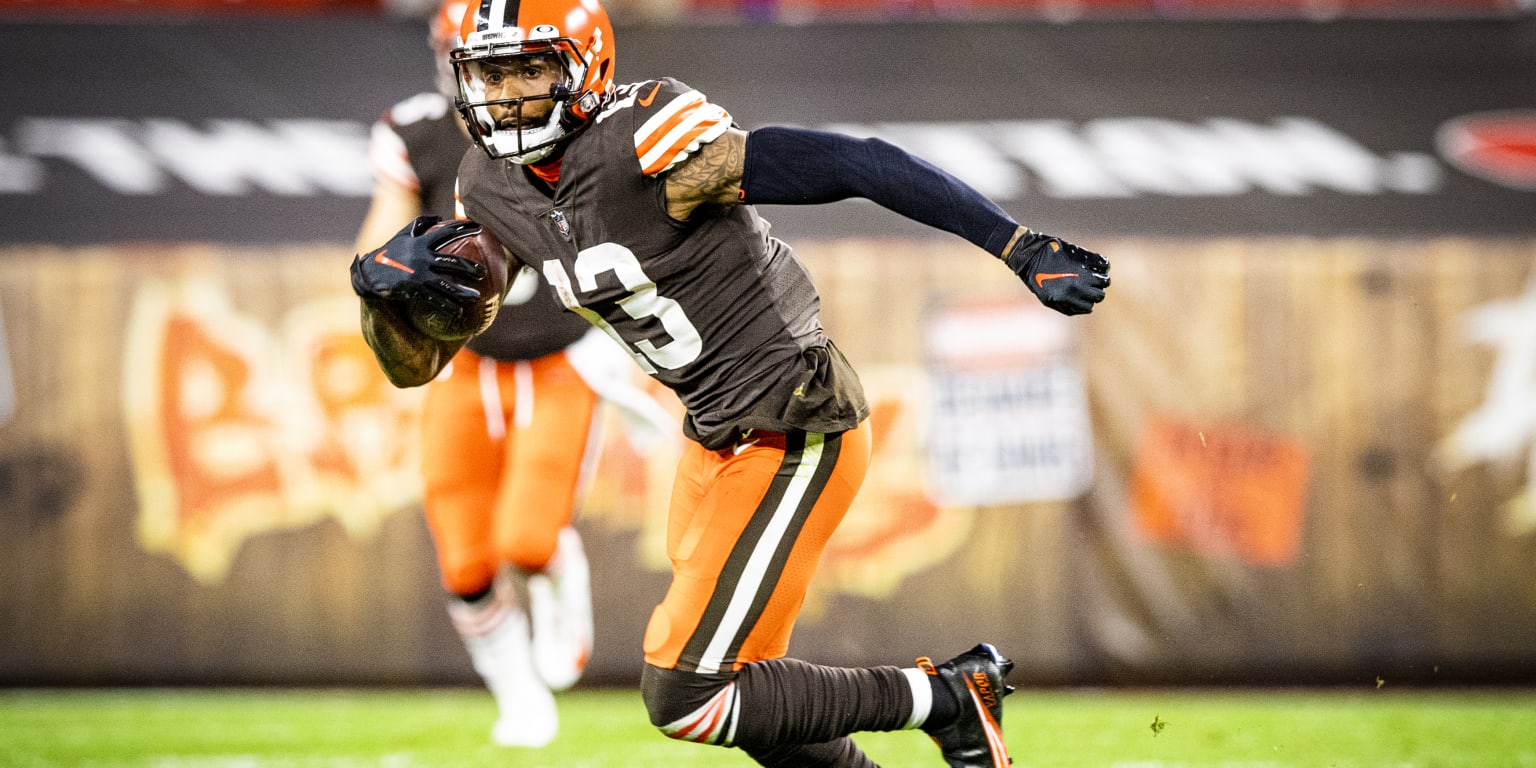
(560, 603)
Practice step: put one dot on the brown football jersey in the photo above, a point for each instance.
(713, 307)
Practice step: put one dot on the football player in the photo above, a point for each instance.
(635, 202)
(507, 435)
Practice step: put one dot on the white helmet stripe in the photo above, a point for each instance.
(497, 14)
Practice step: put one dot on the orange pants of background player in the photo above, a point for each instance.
(505, 451)
(746, 530)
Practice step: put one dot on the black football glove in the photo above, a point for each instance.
(1064, 277)
(408, 269)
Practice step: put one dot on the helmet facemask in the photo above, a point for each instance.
(507, 127)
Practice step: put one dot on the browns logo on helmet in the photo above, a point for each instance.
(575, 32)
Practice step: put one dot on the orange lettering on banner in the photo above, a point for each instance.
(1221, 490)
(237, 430)
(363, 455)
(213, 432)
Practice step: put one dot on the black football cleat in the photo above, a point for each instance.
(975, 738)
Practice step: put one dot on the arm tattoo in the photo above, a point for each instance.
(710, 175)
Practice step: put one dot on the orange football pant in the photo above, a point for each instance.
(505, 450)
(745, 533)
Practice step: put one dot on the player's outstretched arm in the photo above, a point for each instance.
(794, 166)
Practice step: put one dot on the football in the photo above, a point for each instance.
(484, 249)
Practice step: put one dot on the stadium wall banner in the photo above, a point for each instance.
(1296, 445)
(254, 130)
(1310, 460)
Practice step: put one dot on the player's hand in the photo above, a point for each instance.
(408, 269)
(1064, 277)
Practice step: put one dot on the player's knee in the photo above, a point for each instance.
(467, 577)
(529, 551)
(659, 691)
(690, 706)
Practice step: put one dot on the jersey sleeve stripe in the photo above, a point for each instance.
(658, 124)
(389, 158)
(683, 137)
(685, 145)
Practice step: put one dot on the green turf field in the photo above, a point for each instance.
(191, 728)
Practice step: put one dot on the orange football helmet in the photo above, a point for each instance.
(576, 32)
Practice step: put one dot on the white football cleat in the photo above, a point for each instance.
(560, 602)
(503, 657)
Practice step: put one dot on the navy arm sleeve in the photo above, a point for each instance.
(795, 166)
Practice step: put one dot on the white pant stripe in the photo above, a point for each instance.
(762, 555)
(522, 410)
(490, 400)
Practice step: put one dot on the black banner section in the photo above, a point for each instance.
(252, 131)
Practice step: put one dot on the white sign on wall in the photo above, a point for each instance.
(1010, 415)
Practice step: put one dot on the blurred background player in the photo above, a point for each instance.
(507, 435)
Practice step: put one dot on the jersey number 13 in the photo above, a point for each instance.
(642, 302)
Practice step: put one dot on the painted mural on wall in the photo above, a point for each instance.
(240, 426)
